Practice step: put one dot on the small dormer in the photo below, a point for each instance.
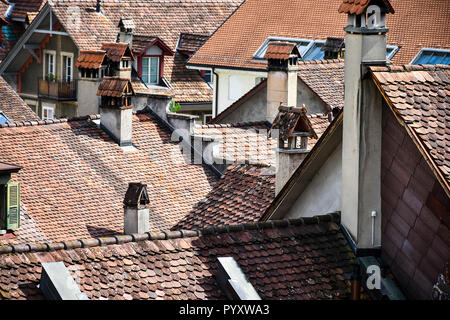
(366, 15)
(119, 59)
(126, 27)
(150, 53)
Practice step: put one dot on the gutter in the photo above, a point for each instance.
(217, 92)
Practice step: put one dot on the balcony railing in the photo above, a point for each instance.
(57, 89)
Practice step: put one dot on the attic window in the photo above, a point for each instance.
(3, 118)
(432, 56)
(150, 70)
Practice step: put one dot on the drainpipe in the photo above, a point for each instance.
(217, 92)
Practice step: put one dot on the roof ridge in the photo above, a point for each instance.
(34, 123)
(166, 235)
(323, 61)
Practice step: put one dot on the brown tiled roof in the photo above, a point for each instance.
(113, 87)
(115, 51)
(90, 59)
(242, 195)
(420, 97)
(244, 142)
(189, 42)
(358, 6)
(161, 18)
(279, 50)
(12, 105)
(326, 79)
(74, 176)
(416, 24)
(302, 259)
(23, 8)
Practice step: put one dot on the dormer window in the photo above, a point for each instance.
(150, 53)
(150, 70)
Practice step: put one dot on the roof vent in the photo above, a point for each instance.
(233, 282)
(57, 283)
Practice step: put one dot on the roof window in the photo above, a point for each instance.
(432, 56)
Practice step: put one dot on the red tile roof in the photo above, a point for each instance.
(141, 42)
(244, 142)
(420, 97)
(189, 42)
(12, 105)
(116, 51)
(279, 50)
(304, 259)
(90, 59)
(416, 24)
(74, 177)
(358, 6)
(326, 79)
(114, 87)
(163, 19)
(23, 8)
(242, 195)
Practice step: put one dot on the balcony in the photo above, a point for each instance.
(57, 90)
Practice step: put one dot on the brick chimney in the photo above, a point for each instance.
(282, 76)
(136, 212)
(365, 44)
(293, 131)
(116, 111)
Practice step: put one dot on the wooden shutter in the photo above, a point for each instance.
(13, 206)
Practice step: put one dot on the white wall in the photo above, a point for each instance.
(323, 193)
(241, 82)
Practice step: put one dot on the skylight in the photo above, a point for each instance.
(310, 49)
(3, 118)
(432, 56)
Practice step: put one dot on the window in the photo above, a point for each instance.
(302, 44)
(49, 65)
(125, 64)
(3, 118)
(207, 75)
(432, 56)
(150, 70)
(315, 52)
(67, 67)
(48, 113)
(207, 118)
(391, 51)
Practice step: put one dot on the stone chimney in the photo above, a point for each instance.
(126, 26)
(365, 44)
(293, 131)
(282, 76)
(116, 111)
(136, 213)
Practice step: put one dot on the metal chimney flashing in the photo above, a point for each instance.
(57, 284)
(233, 282)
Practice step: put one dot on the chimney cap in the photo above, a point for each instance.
(136, 195)
(290, 120)
(282, 50)
(127, 23)
(359, 6)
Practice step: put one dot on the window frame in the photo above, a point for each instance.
(64, 76)
(48, 107)
(149, 69)
(432, 50)
(44, 64)
(5, 117)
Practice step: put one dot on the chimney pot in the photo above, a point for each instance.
(136, 213)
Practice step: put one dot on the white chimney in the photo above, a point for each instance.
(282, 76)
(136, 214)
(365, 44)
(126, 26)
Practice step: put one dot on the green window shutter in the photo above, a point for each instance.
(13, 206)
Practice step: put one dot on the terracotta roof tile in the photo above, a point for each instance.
(12, 105)
(74, 177)
(279, 50)
(310, 260)
(90, 59)
(189, 42)
(420, 95)
(242, 195)
(358, 6)
(115, 51)
(415, 25)
(113, 87)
